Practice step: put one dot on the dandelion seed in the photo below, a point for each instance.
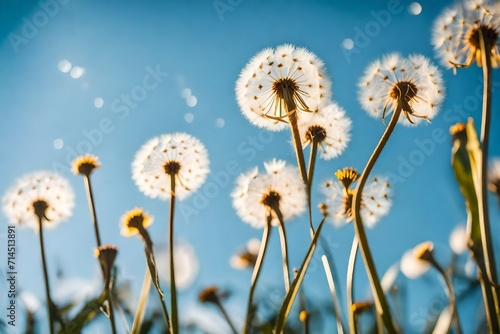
(178, 154)
(330, 128)
(375, 199)
(279, 82)
(412, 83)
(457, 32)
(414, 261)
(45, 194)
(256, 193)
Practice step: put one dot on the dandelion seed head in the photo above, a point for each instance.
(458, 240)
(375, 199)
(178, 154)
(457, 32)
(185, 262)
(40, 193)
(414, 83)
(330, 127)
(412, 263)
(278, 82)
(279, 184)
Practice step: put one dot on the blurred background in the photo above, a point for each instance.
(103, 77)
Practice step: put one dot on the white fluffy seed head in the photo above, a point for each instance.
(253, 187)
(45, 186)
(150, 163)
(375, 201)
(411, 265)
(185, 261)
(393, 78)
(256, 91)
(458, 240)
(332, 126)
(452, 31)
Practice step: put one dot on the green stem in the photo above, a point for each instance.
(90, 198)
(381, 305)
(256, 272)
(173, 290)
(451, 295)
(486, 290)
(350, 284)
(484, 223)
(284, 247)
(111, 311)
(226, 316)
(46, 277)
(299, 152)
(331, 284)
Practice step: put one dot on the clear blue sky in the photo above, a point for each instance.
(46, 115)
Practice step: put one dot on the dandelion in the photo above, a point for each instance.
(171, 166)
(257, 195)
(39, 195)
(177, 156)
(135, 222)
(212, 295)
(494, 178)
(413, 85)
(375, 200)
(459, 32)
(418, 261)
(40, 199)
(107, 255)
(248, 257)
(329, 129)
(282, 86)
(280, 82)
(85, 165)
(459, 240)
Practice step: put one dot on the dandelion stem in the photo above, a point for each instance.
(173, 290)
(381, 305)
(489, 303)
(451, 295)
(111, 311)
(294, 128)
(331, 285)
(350, 284)
(484, 223)
(226, 316)
(46, 276)
(284, 246)
(90, 198)
(256, 272)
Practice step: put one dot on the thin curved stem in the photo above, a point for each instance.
(484, 223)
(284, 247)
(350, 284)
(90, 198)
(451, 295)
(331, 284)
(46, 277)
(226, 316)
(111, 310)
(173, 289)
(310, 176)
(381, 305)
(256, 272)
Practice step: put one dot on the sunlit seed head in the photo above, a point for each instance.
(85, 164)
(44, 195)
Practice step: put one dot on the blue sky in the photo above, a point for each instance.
(139, 57)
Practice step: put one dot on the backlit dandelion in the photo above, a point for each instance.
(375, 200)
(133, 221)
(41, 194)
(177, 155)
(411, 84)
(460, 30)
(329, 129)
(257, 194)
(413, 262)
(279, 82)
(85, 164)
(494, 178)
